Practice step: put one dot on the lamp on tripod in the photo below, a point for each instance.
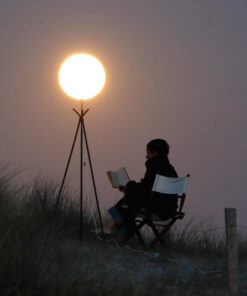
(82, 77)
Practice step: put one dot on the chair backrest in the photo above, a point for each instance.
(168, 185)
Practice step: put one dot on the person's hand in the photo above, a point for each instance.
(122, 188)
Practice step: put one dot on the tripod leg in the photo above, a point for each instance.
(94, 185)
(81, 180)
(66, 170)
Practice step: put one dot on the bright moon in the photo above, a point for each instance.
(81, 76)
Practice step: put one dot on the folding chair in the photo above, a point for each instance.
(144, 216)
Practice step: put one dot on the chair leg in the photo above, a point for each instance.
(137, 232)
(166, 228)
(158, 235)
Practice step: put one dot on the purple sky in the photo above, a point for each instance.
(175, 70)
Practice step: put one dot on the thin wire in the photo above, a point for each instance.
(156, 255)
(81, 173)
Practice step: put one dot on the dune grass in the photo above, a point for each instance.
(33, 262)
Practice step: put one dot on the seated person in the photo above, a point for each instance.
(137, 194)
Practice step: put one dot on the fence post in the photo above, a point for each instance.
(232, 251)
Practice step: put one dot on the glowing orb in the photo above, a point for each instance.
(81, 76)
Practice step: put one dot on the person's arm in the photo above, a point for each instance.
(146, 184)
(122, 188)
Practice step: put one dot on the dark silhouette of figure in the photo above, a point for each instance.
(138, 193)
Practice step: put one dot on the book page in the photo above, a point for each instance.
(115, 179)
(123, 177)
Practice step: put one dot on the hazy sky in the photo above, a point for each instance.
(175, 70)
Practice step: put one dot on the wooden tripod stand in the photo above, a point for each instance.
(83, 134)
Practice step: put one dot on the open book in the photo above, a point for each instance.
(118, 178)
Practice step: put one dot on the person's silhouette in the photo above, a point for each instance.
(136, 194)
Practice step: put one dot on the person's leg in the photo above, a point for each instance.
(107, 228)
(120, 217)
(109, 225)
(117, 218)
(128, 223)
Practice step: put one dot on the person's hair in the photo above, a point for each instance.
(159, 145)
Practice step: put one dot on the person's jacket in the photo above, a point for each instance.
(163, 205)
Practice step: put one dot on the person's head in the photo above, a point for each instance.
(157, 147)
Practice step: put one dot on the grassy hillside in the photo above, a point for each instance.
(43, 256)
